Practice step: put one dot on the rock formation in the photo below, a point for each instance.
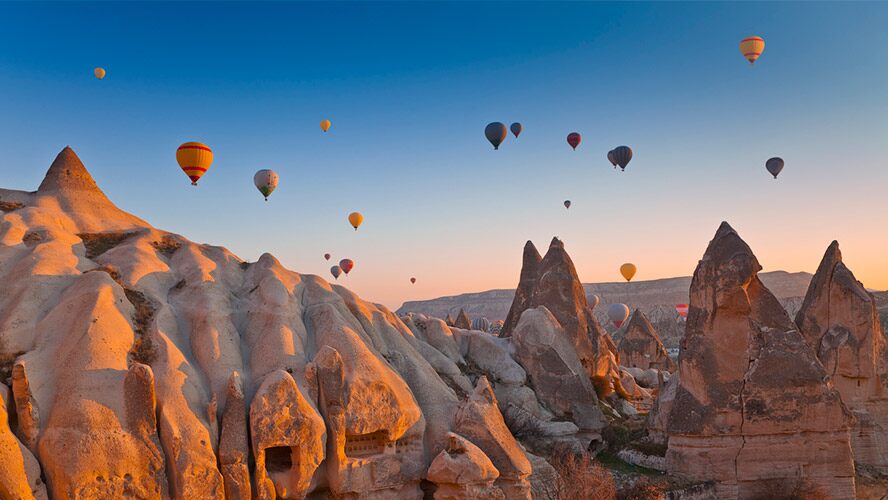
(462, 320)
(751, 408)
(640, 346)
(480, 421)
(145, 365)
(555, 370)
(463, 471)
(841, 325)
(552, 282)
(20, 472)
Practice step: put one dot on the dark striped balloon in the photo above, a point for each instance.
(610, 158)
(622, 155)
(774, 165)
(496, 133)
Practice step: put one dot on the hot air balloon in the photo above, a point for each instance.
(516, 129)
(682, 310)
(325, 125)
(481, 324)
(574, 139)
(99, 72)
(327, 256)
(194, 159)
(355, 219)
(412, 280)
(774, 165)
(266, 181)
(566, 203)
(593, 301)
(752, 47)
(496, 327)
(622, 155)
(496, 133)
(346, 265)
(610, 158)
(617, 313)
(336, 271)
(628, 271)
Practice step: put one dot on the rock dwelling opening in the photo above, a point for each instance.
(278, 458)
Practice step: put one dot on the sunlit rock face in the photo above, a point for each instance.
(552, 282)
(752, 408)
(139, 363)
(841, 325)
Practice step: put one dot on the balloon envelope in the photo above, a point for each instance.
(682, 310)
(593, 301)
(752, 47)
(99, 72)
(774, 165)
(617, 313)
(194, 159)
(622, 155)
(325, 125)
(610, 158)
(346, 265)
(574, 139)
(327, 256)
(481, 324)
(336, 271)
(628, 271)
(355, 219)
(266, 182)
(496, 133)
(412, 280)
(566, 203)
(516, 129)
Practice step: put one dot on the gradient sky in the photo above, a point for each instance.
(409, 88)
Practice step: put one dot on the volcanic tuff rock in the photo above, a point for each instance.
(463, 471)
(462, 320)
(751, 407)
(640, 346)
(143, 364)
(552, 282)
(841, 325)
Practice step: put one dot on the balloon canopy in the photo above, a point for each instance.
(752, 47)
(628, 271)
(516, 129)
(617, 313)
(496, 133)
(346, 265)
(99, 72)
(775, 166)
(325, 125)
(355, 219)
(266, 182)
(574, 139)
(194, 159)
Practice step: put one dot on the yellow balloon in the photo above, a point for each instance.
(325, 125)
(628, 271)
(194, 159)
(99, 72)
(752, 47)
(355, 219)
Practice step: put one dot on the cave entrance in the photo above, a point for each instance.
(278, 458)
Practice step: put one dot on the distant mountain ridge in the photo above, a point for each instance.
(646, 295)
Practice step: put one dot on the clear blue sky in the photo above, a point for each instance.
(409, 88)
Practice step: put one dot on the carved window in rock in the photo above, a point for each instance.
(278, 458)
(365, 445)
